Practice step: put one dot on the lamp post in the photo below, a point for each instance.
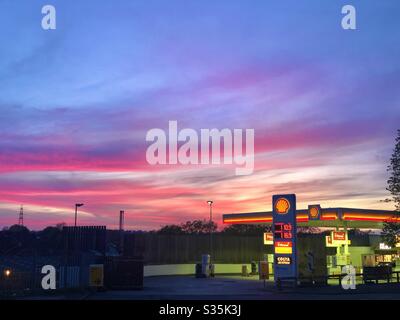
(76, 210)
(210, 203)
(7, 273)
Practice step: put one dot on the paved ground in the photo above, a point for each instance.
(227, 288)
(237, 288)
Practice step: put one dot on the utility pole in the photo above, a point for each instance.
(121, 220)
(21, 216)
(210, 203)
(121, 231)
(77, 205)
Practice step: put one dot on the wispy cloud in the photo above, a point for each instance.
(75, 106)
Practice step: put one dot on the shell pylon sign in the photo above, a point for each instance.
(284, 229)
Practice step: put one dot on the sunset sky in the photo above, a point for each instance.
(76, 104)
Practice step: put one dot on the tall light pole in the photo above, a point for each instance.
(76, 211)
(210, 203)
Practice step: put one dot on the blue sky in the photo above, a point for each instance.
(76, 103)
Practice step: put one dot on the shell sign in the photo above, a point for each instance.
(282, 206)
(314, 211)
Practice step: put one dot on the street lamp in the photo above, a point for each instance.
(77, 205)
(7, 280)
(210, 203)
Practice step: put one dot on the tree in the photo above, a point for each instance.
(308, 230)
(391, 230)
(199, 227)
(16, 228)
(190, 227)
(60, 225)
(358, 232)
(15, 239)
(49, 240)
(171, 229)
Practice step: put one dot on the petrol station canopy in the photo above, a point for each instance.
(315, 216)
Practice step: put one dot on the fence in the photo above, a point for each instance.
(175, 249)
(367, 278)
(78, 239)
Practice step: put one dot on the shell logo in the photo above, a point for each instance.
(314, 212)
(282, 206)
